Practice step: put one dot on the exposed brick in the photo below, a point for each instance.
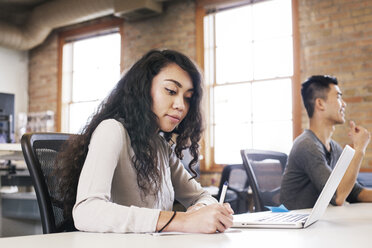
(175, 30)
(353, 99)
(42, 88)
(346, 53)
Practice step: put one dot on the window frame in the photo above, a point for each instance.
(207, 164)
(83, 32)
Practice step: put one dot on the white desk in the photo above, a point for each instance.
(11, 151)
(348, 226)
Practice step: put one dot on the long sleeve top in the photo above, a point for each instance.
(108, 197)
(308, 169)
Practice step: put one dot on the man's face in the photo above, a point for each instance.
(335, 106)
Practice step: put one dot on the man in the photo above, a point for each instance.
(314, 154)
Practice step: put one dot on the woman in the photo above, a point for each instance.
(127, 174)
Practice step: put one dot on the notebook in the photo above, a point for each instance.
(299, 219)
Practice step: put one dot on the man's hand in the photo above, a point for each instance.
(359, 136)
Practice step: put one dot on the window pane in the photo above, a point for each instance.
(251, 97)
(67, 73)
(67, 58)
(66, 89)
(272, 19)
(80, 113)
(209, 49)
(272, 100)
(273, 135)
(234, 23)
(232, 104)
(209, 66)
(98, 52)
(233, 45)
(273, 58)
(95, 84)
(95, 68)
(91, 68)
(229, 140)
(234, 64)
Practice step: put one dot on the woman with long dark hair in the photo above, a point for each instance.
(121, 175)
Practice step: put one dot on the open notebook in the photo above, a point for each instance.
(298, 220)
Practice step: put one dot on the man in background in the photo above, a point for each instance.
(314, 154)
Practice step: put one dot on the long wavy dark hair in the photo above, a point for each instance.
(130, 103)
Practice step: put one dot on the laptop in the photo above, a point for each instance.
(299, 218)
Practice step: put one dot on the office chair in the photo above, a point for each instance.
(40, 151)
(237, 191)
(265, 171)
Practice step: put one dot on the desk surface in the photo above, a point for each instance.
(346, 226)
(16, 147)
(11, 151)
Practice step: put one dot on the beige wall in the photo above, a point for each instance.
(13, 80)
(335, 38)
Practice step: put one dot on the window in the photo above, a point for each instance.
(248, 62)
(90, 70)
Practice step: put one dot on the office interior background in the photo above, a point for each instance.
(320, 37)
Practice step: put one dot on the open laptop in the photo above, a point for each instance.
(299, 219)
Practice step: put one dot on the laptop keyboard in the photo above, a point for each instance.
(283, 218)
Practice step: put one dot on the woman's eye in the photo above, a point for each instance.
(171, 92)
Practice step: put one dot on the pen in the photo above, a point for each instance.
(223, 193)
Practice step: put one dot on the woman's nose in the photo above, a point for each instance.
(179, 103)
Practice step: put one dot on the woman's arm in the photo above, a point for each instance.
(209, 219)
(94, 210)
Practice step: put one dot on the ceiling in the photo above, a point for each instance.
(16, 12)
(26, 23)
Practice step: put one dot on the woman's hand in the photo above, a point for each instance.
(207, 219)
(196, 207)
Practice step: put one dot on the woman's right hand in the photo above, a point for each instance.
(209, 219)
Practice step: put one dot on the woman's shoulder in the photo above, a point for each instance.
(111, 129)
(110, 124)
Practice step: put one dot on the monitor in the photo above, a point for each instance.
(6, 118)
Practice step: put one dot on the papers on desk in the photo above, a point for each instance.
(213, 190)
(8, 189)
(168, 233)
(13, 147)
(183, 233)
(279, 209)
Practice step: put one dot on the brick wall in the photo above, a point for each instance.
(336, 39)
(42, 84)
(174, 30)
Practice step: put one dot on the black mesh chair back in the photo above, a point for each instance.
(40, 151)
(237, 191)
(265, 171)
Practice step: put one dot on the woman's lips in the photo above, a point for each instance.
(174, 118)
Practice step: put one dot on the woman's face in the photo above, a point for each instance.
(171, 91)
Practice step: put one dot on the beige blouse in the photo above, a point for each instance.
(108, 197)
